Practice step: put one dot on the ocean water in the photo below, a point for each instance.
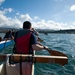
(64, 43)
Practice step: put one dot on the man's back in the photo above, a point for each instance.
(24, 39)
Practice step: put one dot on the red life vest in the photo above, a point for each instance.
(22, 42)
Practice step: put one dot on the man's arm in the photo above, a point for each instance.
(34, 43)
(37, 47)
(35, 32)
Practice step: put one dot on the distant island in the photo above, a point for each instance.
(45, 31)
(67, 31)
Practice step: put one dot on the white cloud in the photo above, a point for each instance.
(52, 25)
(36, 17)
(17, 13)
(8, 21)
(9, 10)
(40, 25)
(17, 21)
(72, 8)
(24, 17)
(44, 25)
(72, 25)
(1, 1)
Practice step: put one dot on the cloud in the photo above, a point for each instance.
(7, 10)
(1, 1)
(72, 8)
(48, 25)
(17, 21)
(40, 25)
(24, 17)
(17, 13)
(36, 17)
(8, 21)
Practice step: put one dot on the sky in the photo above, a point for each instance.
(43, 14)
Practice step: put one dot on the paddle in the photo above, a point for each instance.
(39, 39)
(55, 53)
(37, 35)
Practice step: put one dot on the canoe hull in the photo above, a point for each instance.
(4, 44)
(3, 69)
(14, 69)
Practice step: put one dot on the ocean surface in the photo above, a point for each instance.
(64, 43)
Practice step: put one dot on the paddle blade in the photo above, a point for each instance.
(56, 53)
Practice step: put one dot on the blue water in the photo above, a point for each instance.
(64, 43)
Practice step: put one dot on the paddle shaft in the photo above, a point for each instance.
(39, 39)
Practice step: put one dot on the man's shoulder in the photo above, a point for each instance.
(32, 34)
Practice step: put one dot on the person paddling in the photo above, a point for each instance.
(8, 35)
(25, 43)
(25, 40)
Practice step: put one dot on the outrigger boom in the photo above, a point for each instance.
(36, 58)
(10, 59)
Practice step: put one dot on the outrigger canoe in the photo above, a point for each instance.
(4, 44)
(21, 64)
